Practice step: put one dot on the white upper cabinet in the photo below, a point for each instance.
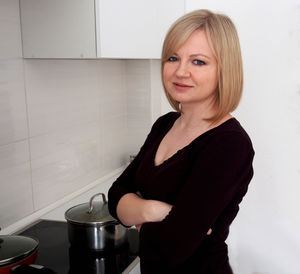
(58, 28)
(96, 28)
(135, 28)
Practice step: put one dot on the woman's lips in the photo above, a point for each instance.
(181, 86)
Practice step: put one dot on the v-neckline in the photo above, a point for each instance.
(165, 132)
(159, 140)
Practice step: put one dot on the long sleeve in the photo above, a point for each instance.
(126, 183)
(215, 183)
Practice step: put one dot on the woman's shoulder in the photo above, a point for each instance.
(233, 127)
(230, 134)
(172, 115)
(234, 135)
(165, 119)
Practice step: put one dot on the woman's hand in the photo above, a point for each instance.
(156, 211)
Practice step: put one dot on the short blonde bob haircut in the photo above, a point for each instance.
(224, 42)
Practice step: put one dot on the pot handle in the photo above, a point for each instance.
(93, 197)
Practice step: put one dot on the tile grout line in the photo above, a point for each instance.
(27, 113)
(13, 142)
(28, 136)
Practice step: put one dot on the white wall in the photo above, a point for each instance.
(265, 236)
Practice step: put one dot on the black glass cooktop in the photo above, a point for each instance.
(55, 252)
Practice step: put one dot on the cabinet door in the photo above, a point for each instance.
(134, 28)
(58, 28)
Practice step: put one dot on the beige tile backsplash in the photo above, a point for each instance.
(13, 123)
(16, 200)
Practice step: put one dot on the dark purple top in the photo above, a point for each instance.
(205, 182)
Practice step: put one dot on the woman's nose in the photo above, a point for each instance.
(182, 70)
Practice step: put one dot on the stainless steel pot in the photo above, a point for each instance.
(91, 226)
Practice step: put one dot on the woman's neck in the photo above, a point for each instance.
(196, 117)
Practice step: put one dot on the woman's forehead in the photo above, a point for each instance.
(196, 44)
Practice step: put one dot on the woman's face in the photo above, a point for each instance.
(191, 74)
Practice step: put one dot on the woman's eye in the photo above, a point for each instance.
(172, 59)
(198, 62)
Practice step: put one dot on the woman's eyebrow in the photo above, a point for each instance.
(194, 55)
(199, 54)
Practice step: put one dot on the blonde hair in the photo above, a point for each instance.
(224, 42)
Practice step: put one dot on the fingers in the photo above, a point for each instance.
(157, 210)
(209, 232)
(138, 227)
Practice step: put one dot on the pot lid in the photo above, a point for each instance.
(15, 248)
(92, 213)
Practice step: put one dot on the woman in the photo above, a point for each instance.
(183, 189)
